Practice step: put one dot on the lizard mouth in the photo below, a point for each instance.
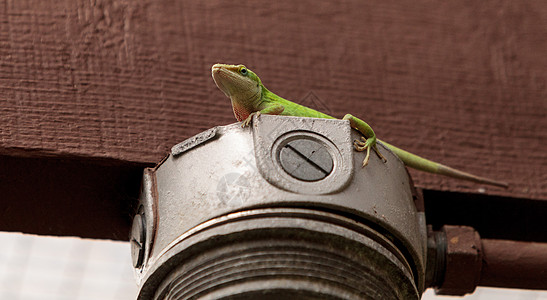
(219, 77)
(216, 68)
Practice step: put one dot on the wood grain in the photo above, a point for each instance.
(463, 83)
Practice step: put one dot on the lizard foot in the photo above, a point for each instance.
(247, 121)
(366, 145)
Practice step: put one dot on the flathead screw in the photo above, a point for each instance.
(306, 159)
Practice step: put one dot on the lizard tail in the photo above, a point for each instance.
(448, 171)
(419, 163)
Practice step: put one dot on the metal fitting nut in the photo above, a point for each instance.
(463, 260)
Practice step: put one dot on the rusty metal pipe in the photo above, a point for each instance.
(459, 261)
(513, 264)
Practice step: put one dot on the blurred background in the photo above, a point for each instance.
(54, 268)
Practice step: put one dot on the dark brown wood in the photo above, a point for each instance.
(494, 217)
(463, 83)
(69, 196)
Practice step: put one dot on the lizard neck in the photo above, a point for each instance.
(246, 103)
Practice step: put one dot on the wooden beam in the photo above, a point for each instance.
(69, 196)
(462, 83)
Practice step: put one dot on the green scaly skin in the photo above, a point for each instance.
(250, 97)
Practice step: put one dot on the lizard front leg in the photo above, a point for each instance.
(368, 140)
(274, 109)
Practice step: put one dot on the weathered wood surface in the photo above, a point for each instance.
(464, 83)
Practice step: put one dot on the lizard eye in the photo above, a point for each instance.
(243, 72)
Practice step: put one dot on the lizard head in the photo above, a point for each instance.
(241, 85)
(235, 80)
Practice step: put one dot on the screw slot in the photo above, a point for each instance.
(137, 240)
(306, 159)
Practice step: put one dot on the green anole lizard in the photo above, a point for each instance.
(250, 97)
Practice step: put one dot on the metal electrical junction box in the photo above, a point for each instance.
(282, 209)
